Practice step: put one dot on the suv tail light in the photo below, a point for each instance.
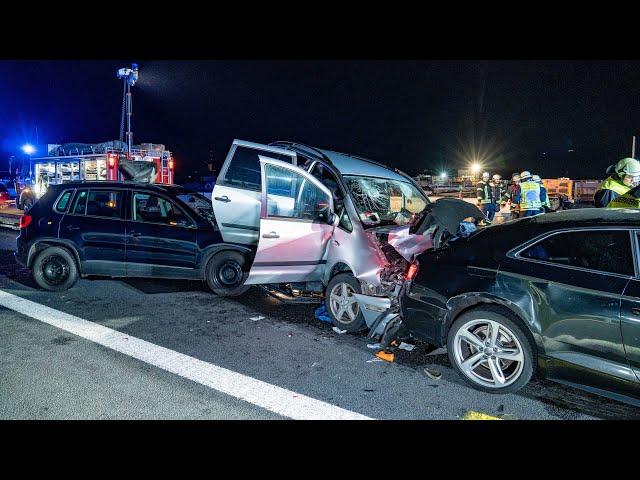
(412, 271)
(25, 221)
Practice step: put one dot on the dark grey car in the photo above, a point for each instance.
(559, 291)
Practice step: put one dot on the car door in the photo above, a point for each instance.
(237, 193)
(161, 237)
(630, 314)
(575, 280)
(295, 225)
(95, 225)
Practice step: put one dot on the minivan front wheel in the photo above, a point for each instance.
(490, 351)
(54, 269)
(226, 273)
(342, 305)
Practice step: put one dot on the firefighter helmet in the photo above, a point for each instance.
(526, 174)
(628, 166)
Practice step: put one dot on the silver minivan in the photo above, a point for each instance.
(318, 221)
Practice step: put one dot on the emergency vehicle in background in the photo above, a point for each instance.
(151, 162)
(564, 192)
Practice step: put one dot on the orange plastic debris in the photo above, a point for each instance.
(387, 357)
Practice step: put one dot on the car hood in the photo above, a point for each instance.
(410, 240)
(447, 213)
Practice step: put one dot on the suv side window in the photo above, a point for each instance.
(63, 202)
(244, 169)
(105, 203)
(603, 250)
(79, 202)
(148, 207)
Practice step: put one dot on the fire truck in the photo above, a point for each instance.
(147, 162)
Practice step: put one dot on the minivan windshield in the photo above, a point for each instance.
(383, 201)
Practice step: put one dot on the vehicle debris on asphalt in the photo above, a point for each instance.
(432, 374)
(386, 356)
(255, 319)
(406, 346)
(322, 314)
(338, 331)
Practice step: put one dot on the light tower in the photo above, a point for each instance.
(129, 77)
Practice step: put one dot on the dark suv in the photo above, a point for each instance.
(127, 230)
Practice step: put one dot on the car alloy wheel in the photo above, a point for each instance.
(344, 306)
(488, 353)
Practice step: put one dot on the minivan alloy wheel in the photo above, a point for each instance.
(488, 353)
(343, 304)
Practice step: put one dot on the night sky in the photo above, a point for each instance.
(411, 114)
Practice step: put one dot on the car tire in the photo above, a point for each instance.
(470, 336)
(341, 285)
(226, 273)
(54, 269)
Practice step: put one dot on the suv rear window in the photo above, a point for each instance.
(244, 169)
(79, 203)
(105, 203)
(63, 202)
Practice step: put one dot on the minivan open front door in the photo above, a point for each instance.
(237, 192)
(295, 225)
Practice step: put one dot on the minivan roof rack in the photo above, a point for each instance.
(288, 144)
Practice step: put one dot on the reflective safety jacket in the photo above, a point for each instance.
(544, 198)
(497, 191)
(609, 190)
(529, 196)
(484, 192)
(631, 199)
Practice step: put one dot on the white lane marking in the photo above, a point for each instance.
(270, 397)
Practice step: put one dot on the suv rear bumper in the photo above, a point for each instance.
(22, 253)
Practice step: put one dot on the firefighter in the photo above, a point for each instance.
(510, 193)
(624, 175)
(485, 196)
(528, 196)
(544, 197)
(498, 190)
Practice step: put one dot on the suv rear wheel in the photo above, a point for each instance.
(54, 269)
(342, 305)
(226, 273)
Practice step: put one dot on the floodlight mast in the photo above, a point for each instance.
(129, 76)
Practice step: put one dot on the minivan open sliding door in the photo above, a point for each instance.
(295, 225)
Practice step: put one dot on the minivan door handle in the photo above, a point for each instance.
(73, 228)
(271, 235)
(636, 311)
(135, 234)
(223, 198)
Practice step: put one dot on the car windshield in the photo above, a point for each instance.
(199, 203)
(383, 201)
